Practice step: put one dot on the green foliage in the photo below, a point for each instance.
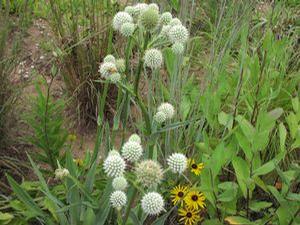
(46, 119)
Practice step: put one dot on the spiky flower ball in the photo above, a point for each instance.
(153, 6)
(107, 68)
(160, 117)
(119, 183)
(165, 31)
(165, 18)
(118, 199)
(149, 18)
(135, 138)
(149, 173)
(127, 29)
(152, 203)
(178, 34)
(132, 151)
(167, 109)
(153, 58)
(174, 22)
(115, 78)
(178, 48)
(109, 58)
(139, 8)
(113, 152)
(120, 18)
(61, 173)
(130, 10)
(114, 165)
(177, 162)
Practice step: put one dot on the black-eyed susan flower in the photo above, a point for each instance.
(194, 200)
(189, 216)
(178, 193)
(196, 168)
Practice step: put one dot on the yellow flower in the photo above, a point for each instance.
(178, 193)
(195, 168)
(189, 216)
(78, 162)
(194, 200)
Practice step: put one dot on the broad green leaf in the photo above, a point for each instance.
(162, 219)
(5, 218)
(259, 205)
(295, 103)
(237, 220)
(246, 127)
(282, 137)
(242, 171)
(244, 143)
(264, 169)
(225, 120)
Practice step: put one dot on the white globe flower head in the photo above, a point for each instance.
(120, 64)
(114, 166)
(165, 18)
(149, 173)
(119, 183)
(132, 151)
(177, 162)
(130, 10)
(178, 48)
(61, 173)
(115, 78)
(174, 22)
(113, 152)
(160, 117)
(178, 34)
(107, 68)
(139, 8)
(153, 58)
(153, 6)
(118, 199)
(165, 31)
(152, 203)
(127, 29)
(167, 109)
(135, 138)
(120, 18)
(109, 58)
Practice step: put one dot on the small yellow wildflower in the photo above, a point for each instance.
(195, 168)
(78, 162)
(189, 216)
(194, 200)
(178, 193)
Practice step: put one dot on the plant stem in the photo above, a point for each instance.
(135, 191)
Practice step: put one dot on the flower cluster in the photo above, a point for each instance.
(164, 111)
(112, 68)
(61, 173)
(190, 203)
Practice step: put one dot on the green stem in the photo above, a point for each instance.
(135, 191)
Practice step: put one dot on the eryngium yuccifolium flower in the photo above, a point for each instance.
(127, 29)
(153, 58)
(165, 18)
(113, 152)
(109, 58)
(179, 34)
(167, 109)
(118, 199)
(153, 6)
(114, 166)
(177, 162)
(149, 173)
(149, 18)
(132, 151)
(130, 10)
(152, 203)
(165, 31)
(119, 183)
(178, 48)
(121, 18)
(160, 117)
(139, 8)
(120, 64)
(135, 138)
(174, 22)
(107, 68)
(115, 78)
(61, 173)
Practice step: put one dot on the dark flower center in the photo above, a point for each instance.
(189, 214)
(194, 166)
(180, 194)
(194, 197)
